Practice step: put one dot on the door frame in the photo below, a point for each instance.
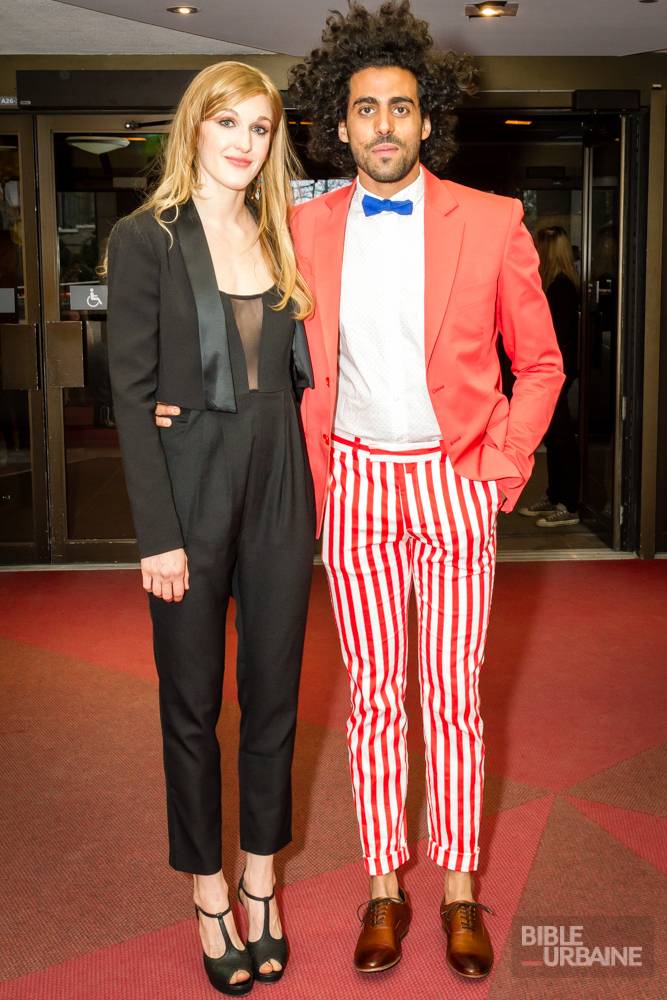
(63, 548)
(629, 501)
(37, 550)
(623, 533)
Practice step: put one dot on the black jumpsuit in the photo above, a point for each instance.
(243, 493)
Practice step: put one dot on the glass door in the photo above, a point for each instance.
(23, 507)
(93, 170)
(601, 340)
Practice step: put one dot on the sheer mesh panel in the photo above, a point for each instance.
(249, 314)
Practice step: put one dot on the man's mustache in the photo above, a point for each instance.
(386, 140)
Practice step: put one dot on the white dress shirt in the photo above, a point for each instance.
(382, 392)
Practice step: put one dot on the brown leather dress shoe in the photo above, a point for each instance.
(469, 950)
(385, 922)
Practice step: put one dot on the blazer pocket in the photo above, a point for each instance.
(482, 290)
(182, 420)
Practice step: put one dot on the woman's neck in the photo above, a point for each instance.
(221, 205)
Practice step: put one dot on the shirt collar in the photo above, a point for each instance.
(413, 192)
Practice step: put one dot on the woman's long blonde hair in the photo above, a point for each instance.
(219, 86)
(556, 256)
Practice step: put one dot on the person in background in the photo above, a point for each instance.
(205, 309)
(559, 506)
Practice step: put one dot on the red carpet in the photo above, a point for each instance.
(575, 830)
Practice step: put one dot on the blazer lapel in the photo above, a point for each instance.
(216, 366)
(328, 266)
(443, 237)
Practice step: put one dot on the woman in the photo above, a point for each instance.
(559, 507)
(205, 304)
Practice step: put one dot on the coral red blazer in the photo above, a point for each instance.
(481, 278)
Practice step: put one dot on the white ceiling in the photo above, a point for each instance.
(48, 27)
(541, 28)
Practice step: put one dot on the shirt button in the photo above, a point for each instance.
(325, 438)
(328, 381)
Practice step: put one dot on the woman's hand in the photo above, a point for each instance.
(162, 413)
(166, 575)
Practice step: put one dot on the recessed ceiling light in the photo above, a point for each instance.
(183, 10)
(517, 121)
(492, 8)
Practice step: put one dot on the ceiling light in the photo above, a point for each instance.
(517, 121)
(183, 10)
(492, 8)
(97, 144)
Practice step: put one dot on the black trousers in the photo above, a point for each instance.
(563, 454)
(244, 496)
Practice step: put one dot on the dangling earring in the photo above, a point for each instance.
(258, 187)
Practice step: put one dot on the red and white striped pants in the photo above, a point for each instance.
(393, 518)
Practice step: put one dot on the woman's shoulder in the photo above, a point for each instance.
(143, 228)
(139, 223)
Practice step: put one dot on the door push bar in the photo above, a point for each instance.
(64, 354)
(18, 356)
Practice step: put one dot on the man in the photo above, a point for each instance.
(410, 440)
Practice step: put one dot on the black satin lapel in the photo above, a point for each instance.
(216, 366)
(302, 369)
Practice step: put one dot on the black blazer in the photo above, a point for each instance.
(167, 340)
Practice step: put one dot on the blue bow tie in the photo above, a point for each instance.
(373, 206)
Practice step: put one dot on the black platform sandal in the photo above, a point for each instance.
(266, 947)
(221, 970)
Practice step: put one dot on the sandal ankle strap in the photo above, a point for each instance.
(213, 916)
(230, 948)
(258, 899)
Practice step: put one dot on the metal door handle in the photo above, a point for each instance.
(18, 356)
(64, 354)
(599, 291)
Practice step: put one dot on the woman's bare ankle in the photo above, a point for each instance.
(211, 892)
(259, 876)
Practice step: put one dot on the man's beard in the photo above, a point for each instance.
(392, 170)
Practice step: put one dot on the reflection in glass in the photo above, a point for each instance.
(16, 523)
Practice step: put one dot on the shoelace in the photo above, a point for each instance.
(376, 911)
(468, 910)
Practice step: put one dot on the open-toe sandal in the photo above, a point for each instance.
(266, 947)
(221, 970)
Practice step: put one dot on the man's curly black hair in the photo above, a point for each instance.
(390, 36)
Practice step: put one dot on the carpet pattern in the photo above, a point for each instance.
(575, 806)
